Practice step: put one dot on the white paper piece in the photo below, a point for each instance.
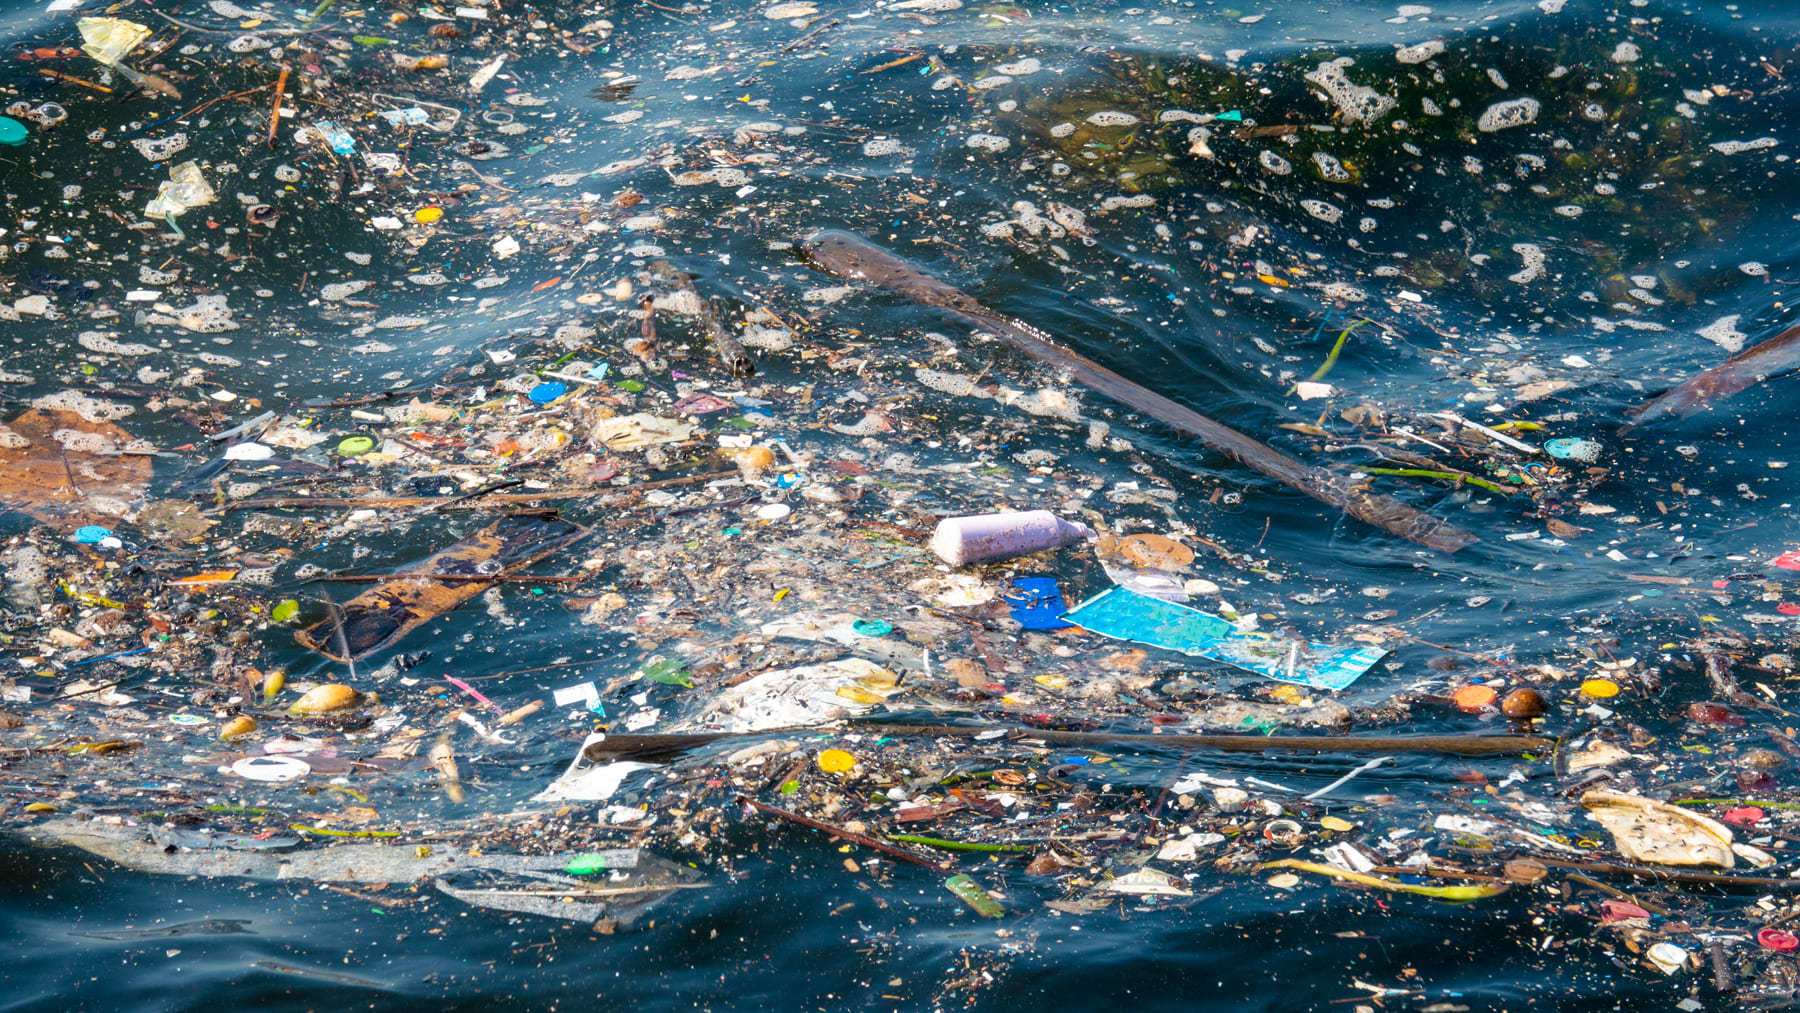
(585, 694)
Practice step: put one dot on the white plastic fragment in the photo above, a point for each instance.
(480, 78)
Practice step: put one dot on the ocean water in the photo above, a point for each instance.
(1546, 213)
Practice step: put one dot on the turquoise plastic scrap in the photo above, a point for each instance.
(1125, 614)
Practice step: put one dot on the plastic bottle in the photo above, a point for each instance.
(988, 538)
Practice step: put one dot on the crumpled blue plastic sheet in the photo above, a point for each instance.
(1037, 603)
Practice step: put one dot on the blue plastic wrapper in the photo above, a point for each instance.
(1037, 603)
(340, 139)
(1127, 615)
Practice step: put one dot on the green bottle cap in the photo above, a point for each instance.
(12, 133)
(355, 446)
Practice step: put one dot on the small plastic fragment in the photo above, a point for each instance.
(970, 892)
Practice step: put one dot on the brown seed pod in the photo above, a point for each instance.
(332, 696)
(243, 724)
(1526, 871)
(1523, 704)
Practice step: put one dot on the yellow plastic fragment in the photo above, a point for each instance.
(1453, 894)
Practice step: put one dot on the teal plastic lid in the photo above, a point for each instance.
(12, 133)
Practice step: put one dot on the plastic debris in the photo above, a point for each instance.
(1129, 615)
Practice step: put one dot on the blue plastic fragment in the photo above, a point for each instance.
(1571, 449)
(340, 140)
(1124, 614)
(1037, 603)
(544, 393)
(92, 534)
(1231, 116)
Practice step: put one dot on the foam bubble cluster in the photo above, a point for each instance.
(1516, 112)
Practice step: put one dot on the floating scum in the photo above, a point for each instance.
(360, 296)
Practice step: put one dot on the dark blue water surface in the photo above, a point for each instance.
(1536, 213)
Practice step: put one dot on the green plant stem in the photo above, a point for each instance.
(1336, 350)
(933, 842)
(1448, 476)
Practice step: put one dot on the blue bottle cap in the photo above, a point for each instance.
(544, 393)
(12, 133)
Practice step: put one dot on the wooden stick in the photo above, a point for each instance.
(375, 578)
(209, 103)
(848, 835)
(464, 502)
(513, 717)
(1620, 894)
(72, 79)
(1670, 876)
(1471, 745)
(1459, 745)
(302, 502)
(275, 110)
(847, 255)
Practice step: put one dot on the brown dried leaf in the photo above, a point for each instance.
(1563, 529)
(1541, 388)
(48, 480)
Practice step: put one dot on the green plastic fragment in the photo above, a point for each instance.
(371, 40)
(789, 787)
(669, 672)
(285, 611)
(585, 865)
(970, 892)
(631, 385)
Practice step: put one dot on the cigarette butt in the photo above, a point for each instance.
(515, 716)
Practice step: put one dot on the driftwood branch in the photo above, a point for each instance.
(849, 256)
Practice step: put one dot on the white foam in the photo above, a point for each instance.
(1515, 112)
(340, 290)
(1533, 255)
(1724, 333)
(1736, 147)
(1421, 52)
(1358, 103)
(1112, 118)
(91, 409)
(102, 342)
(1323, 211)
(1330, 168)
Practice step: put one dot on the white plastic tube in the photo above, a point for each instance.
(988, 538)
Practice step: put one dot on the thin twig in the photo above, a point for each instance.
(848, 835)
(275, 110)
